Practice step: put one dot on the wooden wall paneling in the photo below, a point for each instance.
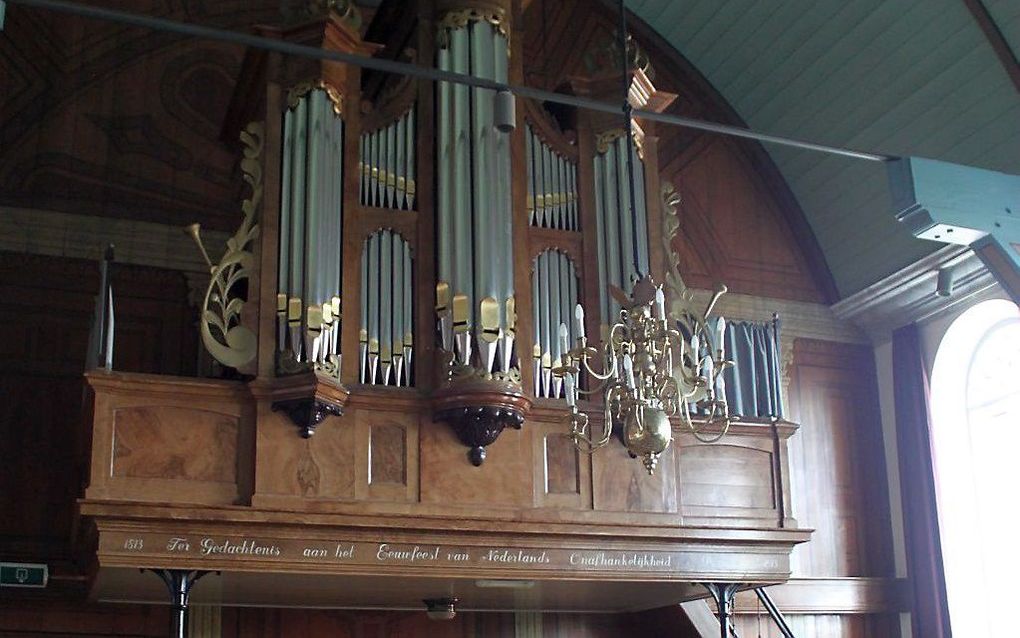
(387, 454)
(65, 619)
(838, 462)
(150, 437)
(737, 231)
(290, 469)
(737, 481)
(562, 474)
(46, 308)
(503, 480)
(621, 484)
(822, 626)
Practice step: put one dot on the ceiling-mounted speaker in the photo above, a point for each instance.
(505, 110)
(944, 286)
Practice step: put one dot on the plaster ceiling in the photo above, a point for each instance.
(898, 77)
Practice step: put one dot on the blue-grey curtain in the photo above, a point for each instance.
(753, 384)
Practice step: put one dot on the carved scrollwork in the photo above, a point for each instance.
(223, 334)
(680, 296)
(298, 91)
(480, 426)
(453, 373)
(460, 18)
(605, 138)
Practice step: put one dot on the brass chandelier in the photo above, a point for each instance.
(651, 368)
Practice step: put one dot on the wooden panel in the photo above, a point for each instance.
(562, 469)
(621, 483)
(730, 229)
(562, 474)
(723, 475)
(505, 479)
(174, 443)
(838, 462)
(321, 467)
(822, 626)
(387, 453)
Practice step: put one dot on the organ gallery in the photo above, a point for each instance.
(499, 328)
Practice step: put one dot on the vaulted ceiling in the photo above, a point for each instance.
(898, 77)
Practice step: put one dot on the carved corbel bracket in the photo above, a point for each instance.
(307, 399)
(307, 414)
(479, 411)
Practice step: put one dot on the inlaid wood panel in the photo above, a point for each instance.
(321, 467)
(505, 479)
(562, 473)
(174, 443)
(387, 454)
(621, 484)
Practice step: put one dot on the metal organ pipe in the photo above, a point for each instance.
(387, 164)
(474, 217)
(554, 295)
(311, 213)
(552, 185)
(386, 310)
(614, 227)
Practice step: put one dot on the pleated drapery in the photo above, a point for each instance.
(753, 386)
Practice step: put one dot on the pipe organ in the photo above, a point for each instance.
(475, 291)
(387, 165)
(554, 297)
(617, 238)
(552, 185)
(311, 230)
(386, 336)
(390, 221)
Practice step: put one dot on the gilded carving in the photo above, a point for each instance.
(223, 334)
(605, 56)
(604, 139)
(298, 91)
(460, 18)
(680, 296)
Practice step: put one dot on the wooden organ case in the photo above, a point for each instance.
(390, 304)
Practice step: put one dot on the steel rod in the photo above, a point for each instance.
(402, 68)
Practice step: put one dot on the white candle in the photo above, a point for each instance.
(695, 347)
(660, 305)
(564, 343)
(579, 318)
(628, 370)
(720, 335)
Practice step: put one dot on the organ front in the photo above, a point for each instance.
(394, 315)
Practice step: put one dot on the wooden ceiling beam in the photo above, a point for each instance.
(996, 39)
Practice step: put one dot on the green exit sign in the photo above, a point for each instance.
(23, 575)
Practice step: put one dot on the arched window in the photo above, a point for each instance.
(975, 404)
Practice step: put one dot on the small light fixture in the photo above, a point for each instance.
(440, 608)
(505, 111)
(944, 286)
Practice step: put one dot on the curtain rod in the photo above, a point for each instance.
(427, 73)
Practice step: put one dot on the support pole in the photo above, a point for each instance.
(722, 594)
(178, 583)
